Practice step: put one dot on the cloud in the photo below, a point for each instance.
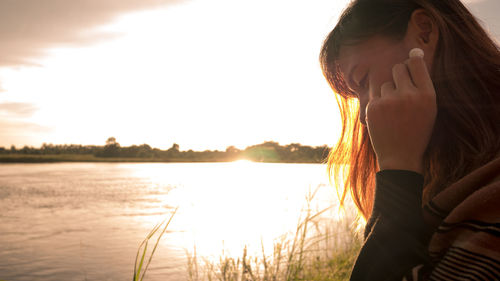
(29, 27)
(19, 128)
(19, 132)
(17, 109)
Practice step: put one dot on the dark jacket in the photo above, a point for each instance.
(456, 236)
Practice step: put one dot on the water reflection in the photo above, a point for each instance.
(86, 221)
(232, 205)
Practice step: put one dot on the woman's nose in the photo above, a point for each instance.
(364, 98)
(362, 117)
(362, 111)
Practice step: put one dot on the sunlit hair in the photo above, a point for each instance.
(466, 76)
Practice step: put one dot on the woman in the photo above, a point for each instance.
(421, 137)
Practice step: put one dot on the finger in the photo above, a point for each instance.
(401, 76)
(406, 63)
(387, 89)
(420, 75)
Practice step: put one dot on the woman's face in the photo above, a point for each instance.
(367, 65)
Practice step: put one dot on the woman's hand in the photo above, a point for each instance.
(401, 120)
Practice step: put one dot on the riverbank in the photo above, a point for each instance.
(325, 257)
(55, 158)
(58, 158)
(268, 152)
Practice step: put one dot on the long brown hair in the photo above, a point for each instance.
(466, 76)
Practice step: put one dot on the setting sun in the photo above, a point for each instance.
(242, 162)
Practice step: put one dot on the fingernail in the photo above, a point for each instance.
(416, 52)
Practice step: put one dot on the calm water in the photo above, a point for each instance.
(85, 221)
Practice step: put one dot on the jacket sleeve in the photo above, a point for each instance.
(396, 237)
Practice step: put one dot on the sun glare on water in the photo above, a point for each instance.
(230, 206)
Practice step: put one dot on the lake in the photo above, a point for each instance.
(85, 221)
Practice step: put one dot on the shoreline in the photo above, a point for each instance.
(61, 158)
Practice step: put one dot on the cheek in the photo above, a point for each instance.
(381, 74)
(385, 62)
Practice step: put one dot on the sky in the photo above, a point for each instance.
(204, 74)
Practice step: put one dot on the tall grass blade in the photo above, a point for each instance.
(157, 242)
(138, 267)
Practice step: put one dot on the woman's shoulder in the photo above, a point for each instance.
(471, 189)
(474, 197)
(466, 222)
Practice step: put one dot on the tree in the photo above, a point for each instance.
(145, 151)
(232, 150)
(175, 147)
(111, 141)
(173, 151)
(112, 148)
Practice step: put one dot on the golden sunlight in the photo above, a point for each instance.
(227, 206)
(151, 64)
(242, 162)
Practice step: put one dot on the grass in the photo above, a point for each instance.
(140, 267)
(320, 249)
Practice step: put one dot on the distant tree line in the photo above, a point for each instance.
(264, 152)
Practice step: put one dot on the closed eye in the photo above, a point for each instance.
(363, 83)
